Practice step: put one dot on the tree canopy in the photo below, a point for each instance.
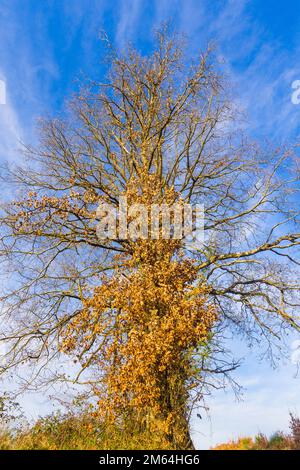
(140, 316)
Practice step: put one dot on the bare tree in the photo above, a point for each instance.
(153, 115)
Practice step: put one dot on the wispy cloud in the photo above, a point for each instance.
(128, 21)
(11, 131)
(261, 68)
(26, 77)
(267, 398)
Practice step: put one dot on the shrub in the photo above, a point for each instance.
(295, 428)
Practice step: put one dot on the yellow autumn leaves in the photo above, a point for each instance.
(141, 325)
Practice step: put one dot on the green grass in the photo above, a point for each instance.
(69, 431)
(80, 430)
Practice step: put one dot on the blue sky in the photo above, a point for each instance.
(46, 44)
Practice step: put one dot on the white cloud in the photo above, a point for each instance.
(267, 398)
(10, 129)
(127, 21)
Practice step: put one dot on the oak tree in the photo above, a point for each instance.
(140, 317)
